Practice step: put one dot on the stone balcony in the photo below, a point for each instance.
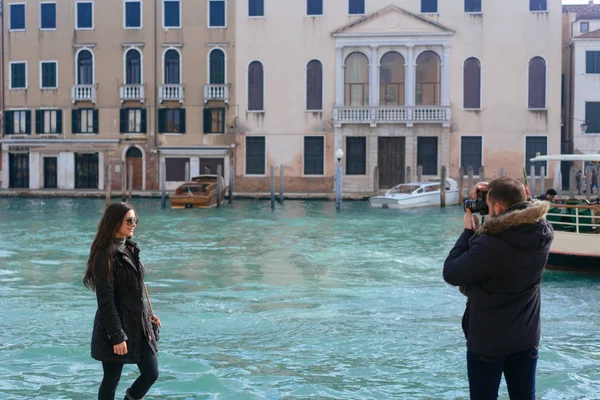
(392, 115)
(170, 92)
(132, 93)
(83, 93)
(216, 92)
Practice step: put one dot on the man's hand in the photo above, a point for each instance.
(471, 221)
(120, 349)
(483, 186)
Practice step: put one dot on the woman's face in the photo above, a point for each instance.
(128, 225)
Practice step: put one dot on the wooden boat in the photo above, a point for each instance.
(576, 223)
(200, 192)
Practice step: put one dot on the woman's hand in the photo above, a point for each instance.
(120, 349)
(156, 321)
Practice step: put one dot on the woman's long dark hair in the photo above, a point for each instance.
(104, 244)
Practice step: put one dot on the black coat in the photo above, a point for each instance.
(501, 268)
(123, 313)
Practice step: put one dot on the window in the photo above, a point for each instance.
(314, 7)
(48, 121)
(391, 80)
(172, 68)
(472, 84)
(176, 169)
(85, 68)
(428, 79)
(427, 154)
(256, 8)
(429, 6)
(255, 155)
(356, 155)
(538, 5)
(17, 17)
(471, 153)
(472, 6)
(17, 122)
(592, 116)
(314, 86)
(537, 83)
(18, 167)
(171, 14)
(592, 62)
(584, 27)
(133, 67)
(133, 14)
(356, 6)
(356, 87)
(85, 15)
(217, 67)
(18, 75)
(84, 120)
(534, 145)
(47, 15)
(256, 87)
(214, 120)
(314, 155)
(216, 14)
(48, 71)
(171, 120)
(133, 120)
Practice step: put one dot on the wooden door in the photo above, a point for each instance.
(134, 160)
(391, 161)
(50, 172)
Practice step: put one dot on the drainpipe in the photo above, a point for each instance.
(156, 91)
(570, 105)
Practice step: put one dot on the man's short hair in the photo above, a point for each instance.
(551, 192)
(507, 191)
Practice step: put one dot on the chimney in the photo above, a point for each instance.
(591, 2)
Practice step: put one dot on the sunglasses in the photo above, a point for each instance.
(131, 221)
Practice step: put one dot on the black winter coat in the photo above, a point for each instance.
(501, 268)
(123, 313)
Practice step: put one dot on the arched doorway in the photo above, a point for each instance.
(134, 158)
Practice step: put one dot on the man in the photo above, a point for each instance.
(499, 267)
(549, 196)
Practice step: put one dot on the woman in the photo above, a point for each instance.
(123, 328)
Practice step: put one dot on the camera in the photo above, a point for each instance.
(478, 204)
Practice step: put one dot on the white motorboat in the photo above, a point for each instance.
(417, 194)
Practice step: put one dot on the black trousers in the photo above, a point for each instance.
(148, 367)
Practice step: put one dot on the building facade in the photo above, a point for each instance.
(395, 85)
(125, 84)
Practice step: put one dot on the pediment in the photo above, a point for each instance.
(392, 20)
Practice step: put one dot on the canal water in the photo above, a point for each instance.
(302, 302)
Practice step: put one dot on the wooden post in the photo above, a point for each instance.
(469, 180)
(219, 186)
(443, 187)
(419, 173)
(482, 174)
(598, 180)
(338, 186)
(572, 187)
(187, 171)
(543, 180)
(376, 179)
(272, 186)
(281, 184)
(532, 180)
(408, 177)
(230, 187)
(163, 184)
(588, 183)
(123, 181)
(501, 171)
(107, 184)
(130, 171)
(461, 185)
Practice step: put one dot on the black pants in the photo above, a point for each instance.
(148, 366)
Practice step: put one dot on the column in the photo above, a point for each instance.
(34, 170)
(195, 167)
(374, 77)
(339, 76)
(102, 171)
(69, 170)
(409, 81)
(445, 84)
(5, 176)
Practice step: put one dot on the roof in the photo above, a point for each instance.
(589, 35)
(583, 11)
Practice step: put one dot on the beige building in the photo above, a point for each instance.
(395, 85)
(95, 83)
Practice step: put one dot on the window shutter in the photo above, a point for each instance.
(74, 121)
(223, 116)
(59, 121)
(182, 120)
(143, 122)
(38, 121)
(123, 120)
(8, 117)
(207, 120)
(28, 122)
(95, 122)
(162, 115)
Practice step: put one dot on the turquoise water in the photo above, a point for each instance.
(297, 303)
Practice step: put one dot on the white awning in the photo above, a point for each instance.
(568, 157)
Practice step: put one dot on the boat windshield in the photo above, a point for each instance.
(404, 189)
(432, 188)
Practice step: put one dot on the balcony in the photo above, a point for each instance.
(83, 93)
(170, 92)
(216, 92)
(392, 115)
(132, 93)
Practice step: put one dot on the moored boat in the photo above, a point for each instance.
(200, 192)
(417, 194)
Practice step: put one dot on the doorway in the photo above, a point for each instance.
(209, 166)
(391, 161)
(86, 171)
(134, 158)
(50, 173)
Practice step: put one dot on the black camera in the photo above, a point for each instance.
(477, 205)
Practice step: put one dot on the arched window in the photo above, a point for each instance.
(133, 152)
(217, 67)
(537, 83)
(85, 68)
(428, 79)
(391, 80)
(255, 86)
(472, 84)
(356, 88)
(172, 67)
(133, 67)
(314, 85)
